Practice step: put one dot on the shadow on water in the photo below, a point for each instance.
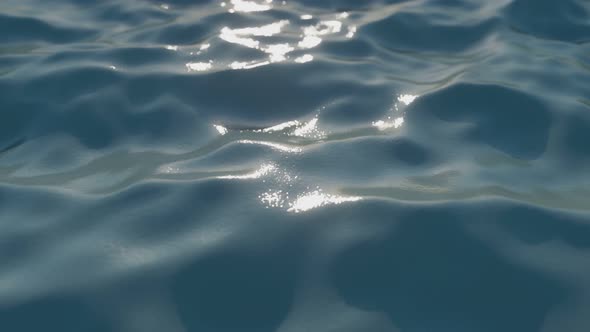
(63, 314)
(511, 121)
(575, 137)
(430, 275)
(566, 20)
(425, 30)
(534, 227)
(12, 145)
(236, 291)
(34, 29)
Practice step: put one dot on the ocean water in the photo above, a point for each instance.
(299, 165)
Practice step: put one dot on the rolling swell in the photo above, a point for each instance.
(266, 166)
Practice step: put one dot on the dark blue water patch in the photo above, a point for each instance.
(13, 145)
(188, 207)
(98, 123)
(574, 136)
(62, 86)
(237, 156)
(410, 152)
(452, 6)
(509, 120)
(10, 63)
(180, 34)
(129, 16)
(237, 290)
(230, 96)
(417, 32)
(17, 248)
(58, 313)
(535, 226)
(92, 126)
(454, 283)
(367, 159)
(25, 235)
(15, 29)
(16, 120)
(349, 50)
(86, 3)
(125, 56)
(356, 107)
(567, 20)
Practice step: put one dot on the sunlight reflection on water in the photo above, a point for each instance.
(295, 36)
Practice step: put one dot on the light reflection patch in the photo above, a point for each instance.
(395, 121)
(310, 36)
(220, 129)
(199, 66)
(262, 171)
(309, 42)
(406, 99)
(304, 58)
(168, 169)
(248, 6)
(278, 52)
(383, 125)
(247, 65)
(323, 28)
(277, 146)
(307, 129)
(278, 198)
(351, 32)
(230, 36)
(316, 199)
(282, 126)
(274, 198)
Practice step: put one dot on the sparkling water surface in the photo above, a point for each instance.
(299, 165)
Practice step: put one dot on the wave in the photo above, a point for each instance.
(274, 166)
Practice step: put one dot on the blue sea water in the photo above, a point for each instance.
(299, 165)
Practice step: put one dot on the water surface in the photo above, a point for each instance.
(257, 166)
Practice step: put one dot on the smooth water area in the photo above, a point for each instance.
(299, 165)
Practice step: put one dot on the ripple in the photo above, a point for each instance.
(263, 165)
(513, 122)
(36, 30)
(564, 20)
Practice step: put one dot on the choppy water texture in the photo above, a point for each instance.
(295, 165)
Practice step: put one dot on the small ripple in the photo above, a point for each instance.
(36, 30)
(263, 165)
